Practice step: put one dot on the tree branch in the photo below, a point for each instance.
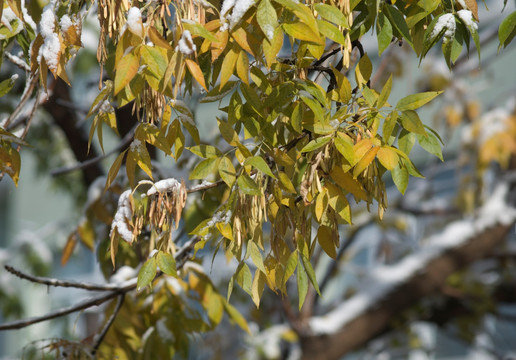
(110, 322)
(62, 283)
(130, 285)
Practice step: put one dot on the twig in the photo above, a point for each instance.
(62, 283)
(110, 321)
(29, 87)
(128, 286)
(61, 312)
(17, 61)
(82, 165)
(205, 187)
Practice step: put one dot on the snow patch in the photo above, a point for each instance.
(164, 186)
(122, 216)
(186, 44)
(238, 9)
(467, 18)
(123, 274)
(201, 185)
(385, 278)
(446, 21)
(134, 21)
(65, 22)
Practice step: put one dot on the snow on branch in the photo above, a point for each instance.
(383, 279)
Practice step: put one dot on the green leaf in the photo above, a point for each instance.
(235, 315)
(507, 30)
(316, 144)
(386, 91)
(301, 31)
(389, 124)
(227, 171)
(259, 163)
(398, 22)
(245, 278)
(332, 14)
(286, 183)
(315, 106)
(431, 144)
(331, 32)
(7, 85)
(256, 256)
(383, 33)
(247, 185)
(147, 273)
(406, 141)
(410, 120)
(415, 101)
(197, 29)
(400, 176)
(228, 133)
(290, 267)
(297, 118)
(267, 18)
(113, 171)
(310, 272)
(205, 151)
(167, 263)
(302, 284)
(204, 169)
(363, 70)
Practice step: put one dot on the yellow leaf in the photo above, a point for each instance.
(242, 67)
(68, 248)
(325, 237)
(196, 72)
(346, 181)
(363, 70)
(217, 47)
(228, 66)
(126, 70)
(388, 157)
(365, 161)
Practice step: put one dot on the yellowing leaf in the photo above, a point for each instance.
(325, 239)
(415, 101)
(204, 169)
(126, 70)
(388, 157)
(68, 248)
(267, 18)
(227, 171)
(346, 181)
(228, 66)
(196, 72)
(365, 161)
(247, 185)
(363, 70)
(301, 31)
(259, 163)
(242, 67)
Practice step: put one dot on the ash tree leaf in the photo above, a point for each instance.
(267, 19)
(415, 101)
(167, 263)
(332, 14)
(398, 22)
(431, 144)
(400, 176)
(227, 171)
(235, 315)
(383, 33)
(302, 284)
(126, 70)
(388, 157)
(310, 272)
(247, 185)
(256, 256)
(363, 70)
(316, 144)
(147, 273)
(507, 30)
(259, 163)
(205, 151)
(325, 239)
(410, 120)
(204, 169)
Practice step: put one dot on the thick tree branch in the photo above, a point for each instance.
(366, 325)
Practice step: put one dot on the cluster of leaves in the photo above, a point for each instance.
(304, 133)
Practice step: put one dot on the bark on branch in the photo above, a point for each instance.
(368, 324)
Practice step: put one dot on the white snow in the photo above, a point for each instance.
(220, 217)
(123, 274)
(467, 18)
(106, 107)
(136, 145)
(51, 48)
(446, 21)
(239, 8)
(123, 214)
(9, 16)
(385, 278)
(65, 22)
(201, 185)
(164, 186)
(186, 45)
(134, 21)
(26, 17)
